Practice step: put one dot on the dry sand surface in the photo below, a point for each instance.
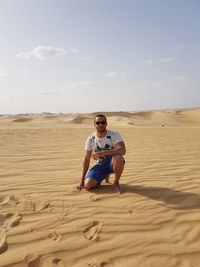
(46, 222)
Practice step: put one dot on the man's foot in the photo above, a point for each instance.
(106, 182)
(118, 188)
(107, 179)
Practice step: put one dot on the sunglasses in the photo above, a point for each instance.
(100, 122)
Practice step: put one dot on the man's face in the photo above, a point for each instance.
(100, 124)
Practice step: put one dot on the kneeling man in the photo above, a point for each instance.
(107, 148)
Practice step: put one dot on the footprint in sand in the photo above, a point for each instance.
(14, 220)
(7, 221)
(92, 231)
(47, 261)
(136, 214)
(130, 212)
(30, 205)
(38, 206)
(94, 198)
(102, 264)
(3, 217)
(55, 236)
(4, 200)
(3, 242)
(105, 264)
(27, 204)
(92, 265)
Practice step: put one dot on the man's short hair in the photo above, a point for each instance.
(100, 115)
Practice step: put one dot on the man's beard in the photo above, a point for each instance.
(101, 130)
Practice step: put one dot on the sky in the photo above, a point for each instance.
(77, 56)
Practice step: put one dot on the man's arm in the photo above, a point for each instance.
(86, 164)
(119, 149)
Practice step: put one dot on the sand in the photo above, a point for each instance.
(46, 222)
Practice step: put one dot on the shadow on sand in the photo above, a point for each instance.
(173, 198)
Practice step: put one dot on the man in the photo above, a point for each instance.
(107, 148)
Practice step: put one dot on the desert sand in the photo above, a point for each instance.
(46, 222)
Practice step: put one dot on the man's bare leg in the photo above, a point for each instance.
(118, 166)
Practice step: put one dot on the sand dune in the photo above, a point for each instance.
(22, 120)
(170, 118)
(46, 222)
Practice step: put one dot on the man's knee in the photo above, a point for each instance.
(118, 159)
(89, 184)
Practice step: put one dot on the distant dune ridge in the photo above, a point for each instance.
(176, 117)
(46, 222)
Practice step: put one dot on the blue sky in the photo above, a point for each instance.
(98, 55)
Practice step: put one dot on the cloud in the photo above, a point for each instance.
(88, 75)
(34, 94)
(161, 60)
(151, 85)
(23, 72)
(184, 79)
(156, 85)
(74, 50)
(149, 61)
(4, 73)
(181, 77)
(88, 58)
(178, 47)
(14, 97)
(48, 93)
(80, 85)
(111, 74)
(100, 65)
(167, 59)
(43, 52)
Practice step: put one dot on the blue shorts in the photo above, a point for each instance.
(100, 171)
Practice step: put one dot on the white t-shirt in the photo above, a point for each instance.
(95, 143)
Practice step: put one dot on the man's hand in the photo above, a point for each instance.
(80, 186)
(99, 154)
